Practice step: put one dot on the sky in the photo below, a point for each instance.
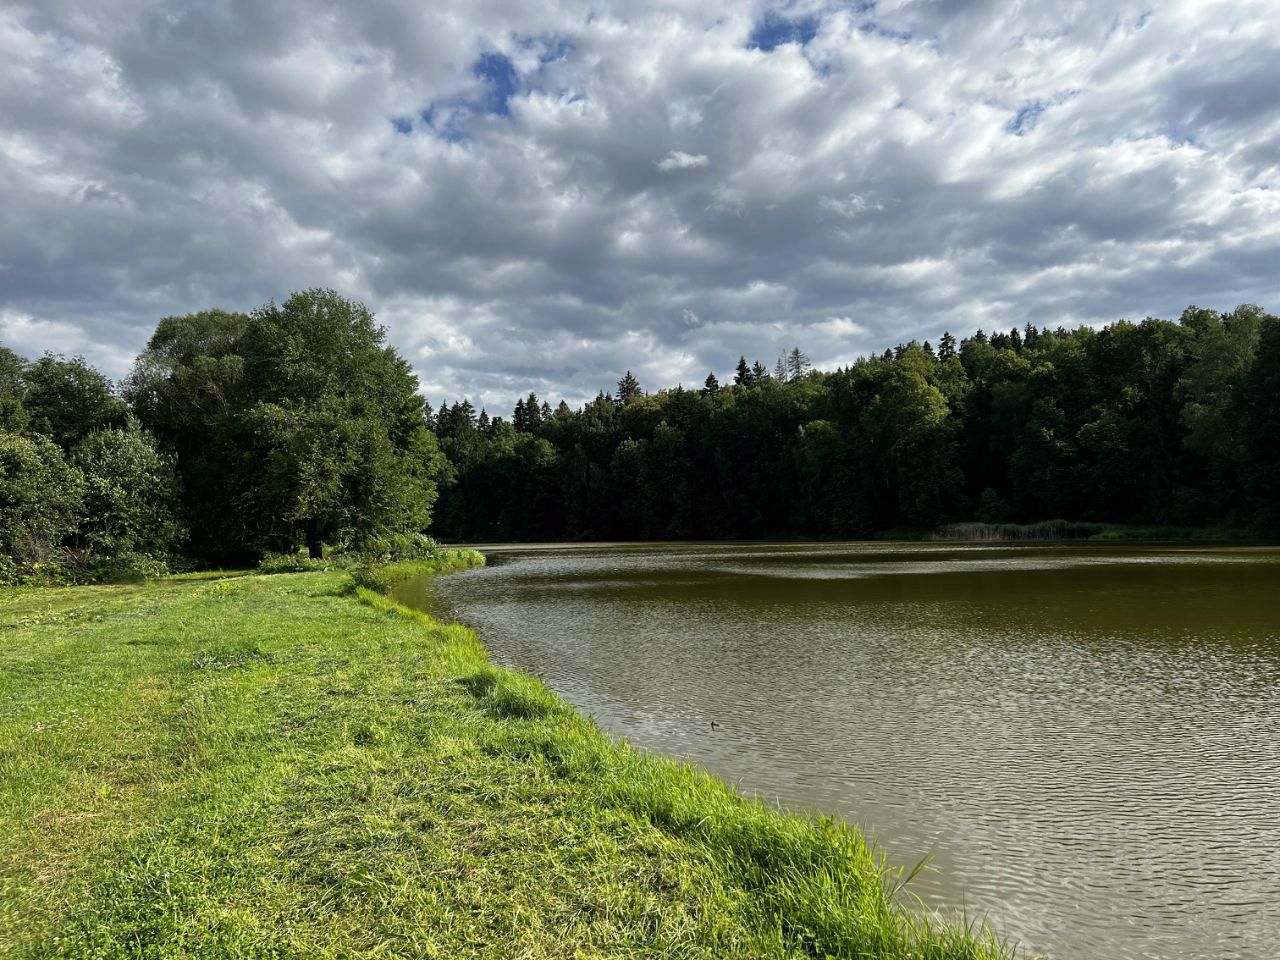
(539, 196)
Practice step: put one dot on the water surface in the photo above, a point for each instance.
(1084, 740)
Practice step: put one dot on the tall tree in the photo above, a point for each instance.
(13, 415)
(68, 399)
(186, 388)
(628, 389)
(798, 364)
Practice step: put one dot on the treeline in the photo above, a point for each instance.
(297, 427)
(1158, 422)
(236, 435)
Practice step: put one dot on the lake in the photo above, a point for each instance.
(1084, 740)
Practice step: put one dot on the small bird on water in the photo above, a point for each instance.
(714, 724)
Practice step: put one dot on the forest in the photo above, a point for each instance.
(296, 427)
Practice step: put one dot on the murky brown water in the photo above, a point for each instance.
(1085, 740)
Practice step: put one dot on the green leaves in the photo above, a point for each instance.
(131, 493)
(293, 426)
(40, 497)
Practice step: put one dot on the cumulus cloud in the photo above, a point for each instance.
(526, 194)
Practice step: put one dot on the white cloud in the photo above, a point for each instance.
(679, 160)
(915, 167)
(840, 327)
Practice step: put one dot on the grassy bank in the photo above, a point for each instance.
(294, 766)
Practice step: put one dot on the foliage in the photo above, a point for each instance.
(68, 399)
(297, 426)
(122, 567)
(186, 387)
(41, 497)
(66, 568)
(397, 547)
(131, 501)
(1157, 424)
(369, 574)
(13, 415)
(264, 766)
(298, 563)
(295, 422)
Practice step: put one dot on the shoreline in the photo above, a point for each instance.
(345, 754)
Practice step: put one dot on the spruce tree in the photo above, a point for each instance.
(628, 389)
(946, 347)
(797, 364)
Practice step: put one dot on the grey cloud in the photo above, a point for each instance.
(650, 167)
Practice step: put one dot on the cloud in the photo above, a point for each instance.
(679, 160)
(502, 184)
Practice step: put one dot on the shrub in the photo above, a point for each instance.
(40, 497)
(396, 547)
(125, 567)
(131, 493)
(296, 563)
(70, 567)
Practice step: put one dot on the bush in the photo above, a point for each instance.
(296, 563)
(131, 493)
(396, 547)
(126, 567)
(70, 568)
(40, 498)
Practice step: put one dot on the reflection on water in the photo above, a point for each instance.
(1086, 741)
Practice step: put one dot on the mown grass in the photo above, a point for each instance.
(295, 766)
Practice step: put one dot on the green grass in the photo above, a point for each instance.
(294, 766)
(1095, 532)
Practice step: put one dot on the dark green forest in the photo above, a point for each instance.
(1154, 423)
(296, 427)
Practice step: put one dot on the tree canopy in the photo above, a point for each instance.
(1158, 422)
(296, 425)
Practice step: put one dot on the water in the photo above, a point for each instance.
(1085, 740)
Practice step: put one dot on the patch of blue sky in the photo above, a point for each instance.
(1026, 118)
(773, 30)
(498, 74)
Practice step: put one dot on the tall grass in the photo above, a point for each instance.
(1075, 530)
(1044, 530)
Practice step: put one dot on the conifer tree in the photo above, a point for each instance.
(628, 389)
(797, 364)
(946, 347)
